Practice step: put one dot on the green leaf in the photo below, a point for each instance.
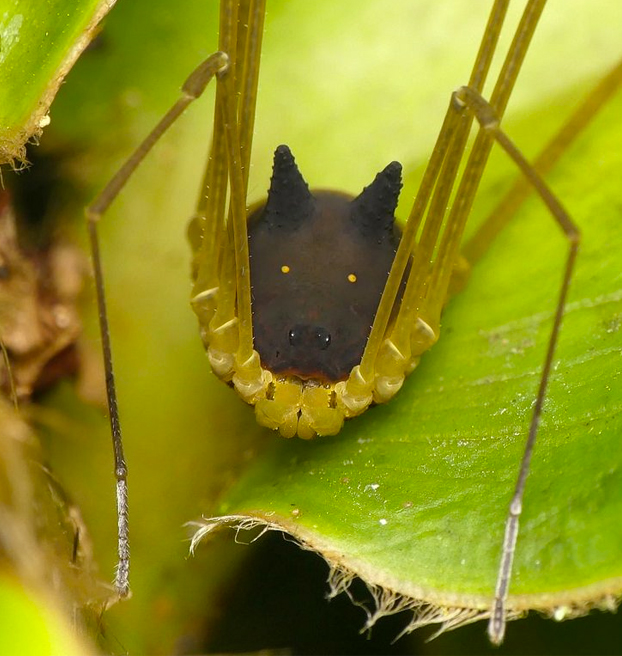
(39, 43)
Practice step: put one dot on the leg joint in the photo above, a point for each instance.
(483, 111)
(93, 215)
(217, 64)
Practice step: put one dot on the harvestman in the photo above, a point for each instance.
(300, 394)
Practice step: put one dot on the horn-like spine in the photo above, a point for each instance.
(289, 200)
(373, 210)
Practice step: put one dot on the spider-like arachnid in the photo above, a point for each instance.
(326, 358)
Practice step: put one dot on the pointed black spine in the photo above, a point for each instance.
(289, 200)
(373, 210)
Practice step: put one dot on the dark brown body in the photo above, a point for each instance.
(319, 262)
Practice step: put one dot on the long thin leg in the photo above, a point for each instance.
(417, 325)
(239, 119)
(489, 122)
(445, 157)
(250, 79)
(544, 162)
(221, 292)
(208, 223)
(192, 89)
(214, 290)
(465, 195)
(122, 583)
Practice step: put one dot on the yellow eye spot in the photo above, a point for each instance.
(285, 269)
(352, 277)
